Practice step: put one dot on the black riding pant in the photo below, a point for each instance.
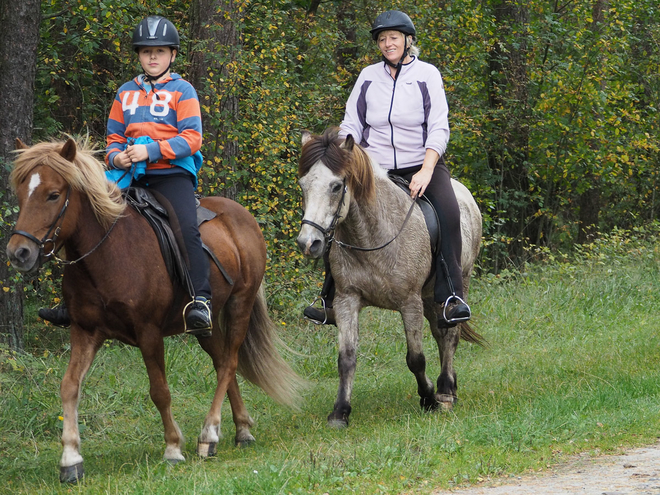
(179, 190)
(441, 194)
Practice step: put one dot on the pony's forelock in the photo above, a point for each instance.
(354, 164)
(85, 174)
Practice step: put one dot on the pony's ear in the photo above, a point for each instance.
(348, 143)
(306, 136)
(68, 151)
(20, 145)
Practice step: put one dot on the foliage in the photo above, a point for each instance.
(546, 104)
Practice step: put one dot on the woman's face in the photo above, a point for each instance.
(392, 44)
(156, 59)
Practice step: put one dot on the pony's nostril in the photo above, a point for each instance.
(316, 248)
(22, 254)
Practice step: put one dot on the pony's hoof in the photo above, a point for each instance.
(207, 449)
(428, 404)
(338, 423)
(174, 462)
(72, 474)
(245, 441)
(446, 402)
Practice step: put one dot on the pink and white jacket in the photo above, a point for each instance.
(396, 121)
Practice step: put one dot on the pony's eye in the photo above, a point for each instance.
(335, 188)
(54, 196)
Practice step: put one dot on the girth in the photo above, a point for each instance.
(158, 214)
(430, 215)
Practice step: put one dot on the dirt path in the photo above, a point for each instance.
(635, 473)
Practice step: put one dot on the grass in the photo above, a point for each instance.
(572, 366)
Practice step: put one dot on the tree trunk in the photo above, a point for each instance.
(216, 42)
(19, 37)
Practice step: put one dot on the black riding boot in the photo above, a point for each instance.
(199, 320)
(58, 316)
(324, 315)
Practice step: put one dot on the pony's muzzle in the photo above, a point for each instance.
(310, 246)
(23, 256)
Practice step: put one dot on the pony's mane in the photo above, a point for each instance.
(344, 158)
(85, 174)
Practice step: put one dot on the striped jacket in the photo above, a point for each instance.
(396, 121)
(168, 113)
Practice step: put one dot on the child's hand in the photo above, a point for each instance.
(122, 160)
(137, 153)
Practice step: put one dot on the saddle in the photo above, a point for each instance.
(430, 215)
(159, 214)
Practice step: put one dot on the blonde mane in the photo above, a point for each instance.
(85, 174)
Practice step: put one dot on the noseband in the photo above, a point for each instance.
(54, 229)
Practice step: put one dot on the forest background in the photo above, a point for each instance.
(553, 109)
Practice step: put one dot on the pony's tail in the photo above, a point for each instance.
(260, 361)
(470, 335)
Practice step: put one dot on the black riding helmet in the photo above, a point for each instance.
(155, 31)
(393, 20)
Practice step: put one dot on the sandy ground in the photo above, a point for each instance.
(636, 472)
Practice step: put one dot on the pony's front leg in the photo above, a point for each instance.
(347, 313)
(84, 347)
(153, 354)
(412, 313)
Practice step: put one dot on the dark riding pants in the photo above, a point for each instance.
(179, 190)
(441, 194)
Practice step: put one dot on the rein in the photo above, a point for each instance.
(329, 233)
(358, 248)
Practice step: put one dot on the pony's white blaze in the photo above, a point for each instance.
(35, 180)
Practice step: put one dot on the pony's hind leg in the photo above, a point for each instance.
(84, 347)
(242, 419)
(413, 323)
(153, 354)
(447, 340)
(223, 350)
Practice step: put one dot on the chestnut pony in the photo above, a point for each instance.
(116, 286)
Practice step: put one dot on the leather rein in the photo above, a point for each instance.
(329, 233)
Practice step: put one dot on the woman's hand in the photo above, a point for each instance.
(420, 181)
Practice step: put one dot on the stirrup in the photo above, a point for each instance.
(202, 331)
(324, 309)
(457, 320)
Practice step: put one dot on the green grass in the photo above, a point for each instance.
(572, 365)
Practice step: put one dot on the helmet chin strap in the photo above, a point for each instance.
(153, 79)
(398, 65)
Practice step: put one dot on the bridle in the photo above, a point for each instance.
(55, 229)
(329, 233)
